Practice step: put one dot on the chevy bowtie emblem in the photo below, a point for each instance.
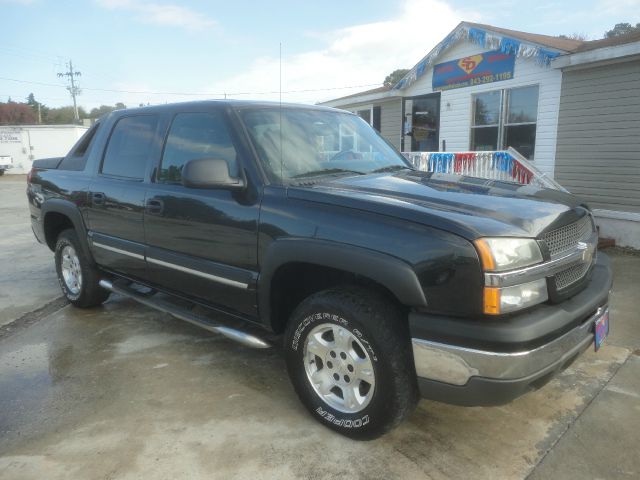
(468, 64)
(588, 250)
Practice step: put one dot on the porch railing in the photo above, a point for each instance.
(503, 165)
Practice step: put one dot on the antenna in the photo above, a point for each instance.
(280, 90)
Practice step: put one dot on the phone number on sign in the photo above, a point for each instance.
(478, 81)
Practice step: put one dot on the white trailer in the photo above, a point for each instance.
(23, 144)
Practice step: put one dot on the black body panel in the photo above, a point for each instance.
(408, 231)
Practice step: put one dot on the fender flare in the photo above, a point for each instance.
(391, 272)
(71, 211)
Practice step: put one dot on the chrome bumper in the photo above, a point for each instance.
(456, 365)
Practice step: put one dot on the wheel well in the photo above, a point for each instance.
(294, 282)
(54, 223)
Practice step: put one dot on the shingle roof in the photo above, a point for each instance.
(557, 43)
(381, 89)
(609, 42)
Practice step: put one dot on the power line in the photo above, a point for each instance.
(200, 94)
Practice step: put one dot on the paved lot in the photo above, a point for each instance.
(125, 392)
(24, 263)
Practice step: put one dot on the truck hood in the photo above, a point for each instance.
(468, 206)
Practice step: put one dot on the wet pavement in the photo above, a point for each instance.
(124, 392)
(26, 268)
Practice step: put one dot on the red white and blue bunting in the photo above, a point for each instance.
(486, 39)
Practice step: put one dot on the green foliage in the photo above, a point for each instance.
(394, 77)
(622, 29)
(105, 109)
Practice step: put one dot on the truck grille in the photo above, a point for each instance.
(571, 275)
(565, 239)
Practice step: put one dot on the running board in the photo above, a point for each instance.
(231, 333)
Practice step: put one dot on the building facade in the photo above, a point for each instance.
(571, 107)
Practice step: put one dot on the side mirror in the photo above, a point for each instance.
(209, 173)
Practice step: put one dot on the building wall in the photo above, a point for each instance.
(455, 105)
(390, 117)
(598, 152)
(25, 143)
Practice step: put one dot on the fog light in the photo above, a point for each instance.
(516, 297)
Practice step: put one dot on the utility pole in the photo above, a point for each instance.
(74, 90)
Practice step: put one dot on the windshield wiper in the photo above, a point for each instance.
(327, 171)
(391, 168)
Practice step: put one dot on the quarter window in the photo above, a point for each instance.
(193, 136)
(505, 118)
(129, 146)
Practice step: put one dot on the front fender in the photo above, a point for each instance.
(392, 273)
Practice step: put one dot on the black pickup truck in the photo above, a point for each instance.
(386, 283)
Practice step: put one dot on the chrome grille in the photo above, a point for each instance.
(571, 275)
(566, 238)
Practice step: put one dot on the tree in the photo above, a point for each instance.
(574, 36)
(13, 113)
(394, 77)
(105, 109)
(64, 115)
(621, 29)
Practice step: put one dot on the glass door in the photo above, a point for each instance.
(422, 123)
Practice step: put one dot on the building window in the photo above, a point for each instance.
(505, 118)
(371, 115)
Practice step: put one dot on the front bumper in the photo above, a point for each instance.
(460, 362)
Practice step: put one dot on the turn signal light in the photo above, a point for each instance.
(486, 257)
(491, 301)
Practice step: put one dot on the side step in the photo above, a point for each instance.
(231, 333)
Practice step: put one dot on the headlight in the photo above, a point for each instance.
(500, 254)
(516, 297)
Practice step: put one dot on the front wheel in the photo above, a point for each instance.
(348, 355)
(78, 276)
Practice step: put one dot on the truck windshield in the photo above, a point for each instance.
(295, 144)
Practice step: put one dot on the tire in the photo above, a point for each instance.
(77, 274)
(356, 347)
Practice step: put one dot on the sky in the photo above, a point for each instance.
(158, 51)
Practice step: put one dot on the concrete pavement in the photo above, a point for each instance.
(27, 270)
(123, 392)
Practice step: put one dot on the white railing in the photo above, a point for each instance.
(503, 165)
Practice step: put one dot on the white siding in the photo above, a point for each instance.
(455, 105)
(391, 121)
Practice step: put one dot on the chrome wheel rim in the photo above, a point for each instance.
(339, 368)
(71, 271)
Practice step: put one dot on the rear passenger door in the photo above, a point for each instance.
(202, 242)
(117, 193)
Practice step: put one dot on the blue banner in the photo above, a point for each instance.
(477, 69)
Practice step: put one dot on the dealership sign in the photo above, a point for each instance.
(477, 69)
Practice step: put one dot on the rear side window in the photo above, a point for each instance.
(77, 158)
(192, 136)
(129, 146)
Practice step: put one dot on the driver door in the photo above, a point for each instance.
(202, 242)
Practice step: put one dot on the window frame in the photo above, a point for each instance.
(167, 131)
(503, 115)
(108, 141)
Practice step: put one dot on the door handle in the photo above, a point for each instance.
(97, 198)
(154, 207)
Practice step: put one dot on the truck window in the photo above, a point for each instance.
(129, 146)
(192, 136)
(77, 158)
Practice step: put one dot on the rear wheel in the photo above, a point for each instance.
(348, 354)
(78, 276)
